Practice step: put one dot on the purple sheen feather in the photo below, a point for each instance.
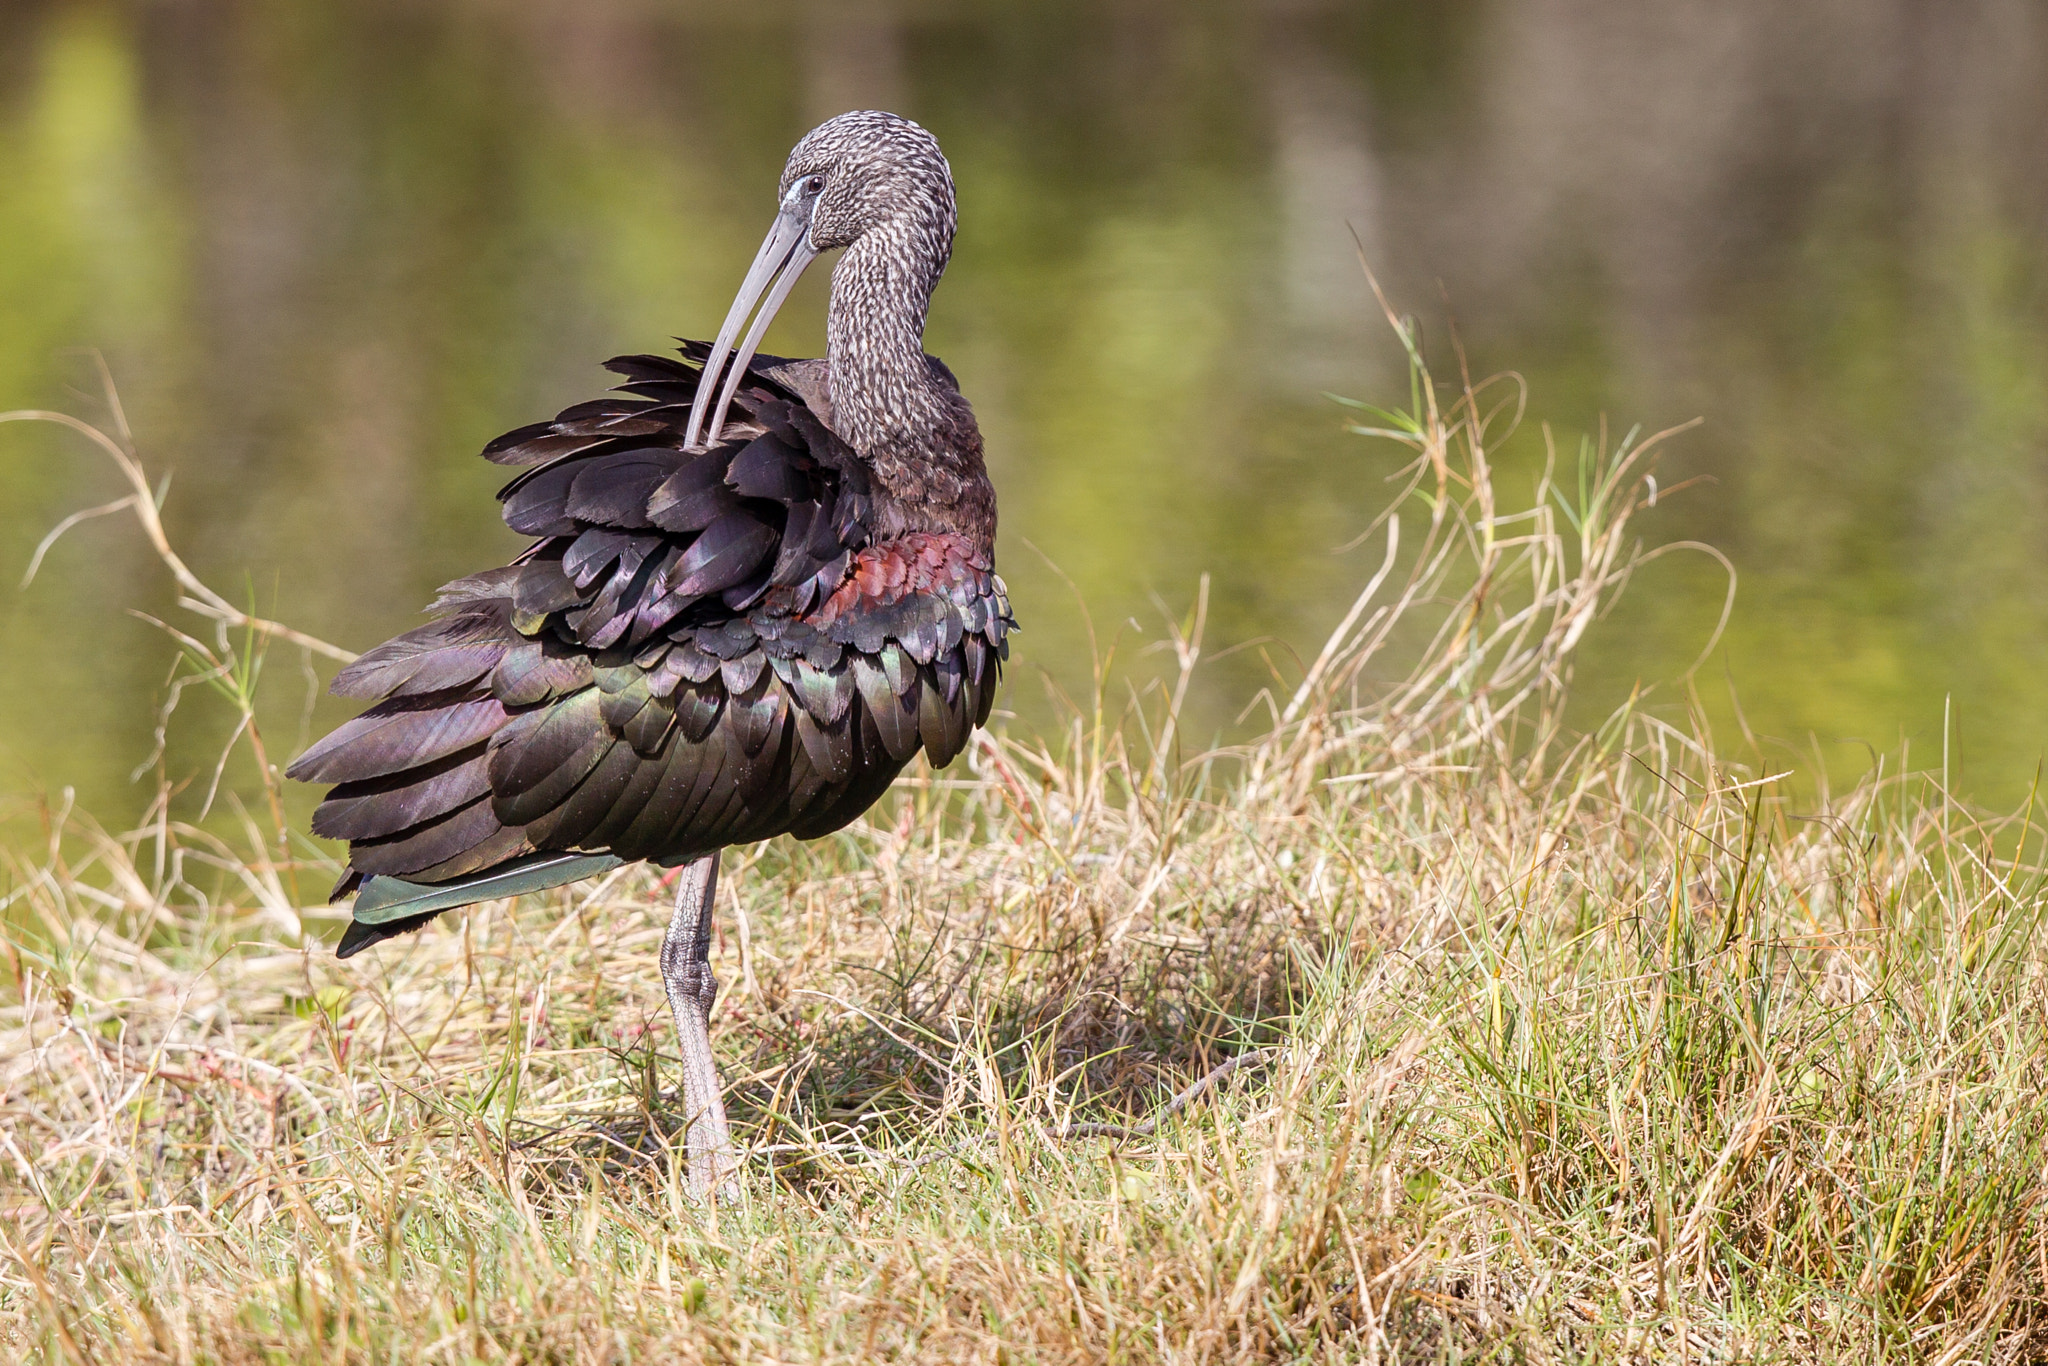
(388, 738)
(725, 554)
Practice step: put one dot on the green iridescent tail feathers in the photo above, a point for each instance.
(387, 906)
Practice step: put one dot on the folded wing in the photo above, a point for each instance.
(698, 649)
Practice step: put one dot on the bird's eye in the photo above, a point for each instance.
(814, 184)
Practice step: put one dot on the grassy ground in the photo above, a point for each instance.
(1549, 1047)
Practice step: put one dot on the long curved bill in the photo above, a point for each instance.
(782, 258)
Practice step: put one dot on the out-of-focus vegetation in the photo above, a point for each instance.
(328, 249)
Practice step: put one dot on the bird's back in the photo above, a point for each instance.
(698, 649)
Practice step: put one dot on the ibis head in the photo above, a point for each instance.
(876, 185)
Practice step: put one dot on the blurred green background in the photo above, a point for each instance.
(329, 247)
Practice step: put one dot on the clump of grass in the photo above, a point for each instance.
(1556, 1047)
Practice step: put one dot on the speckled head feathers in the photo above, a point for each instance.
(877, 186)
(873, 169)
(871, 182)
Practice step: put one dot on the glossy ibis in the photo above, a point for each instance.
(755, 591)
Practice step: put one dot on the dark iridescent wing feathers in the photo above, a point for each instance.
(700, 648)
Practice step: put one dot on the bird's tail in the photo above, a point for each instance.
(387, 906)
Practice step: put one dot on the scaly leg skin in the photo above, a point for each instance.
(686, 972)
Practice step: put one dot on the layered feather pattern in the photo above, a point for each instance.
(699, 649)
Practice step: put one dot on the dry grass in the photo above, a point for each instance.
(1581, 1048)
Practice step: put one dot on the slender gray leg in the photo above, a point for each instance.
(686, 972)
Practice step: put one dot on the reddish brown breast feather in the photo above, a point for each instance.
(923, 562)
